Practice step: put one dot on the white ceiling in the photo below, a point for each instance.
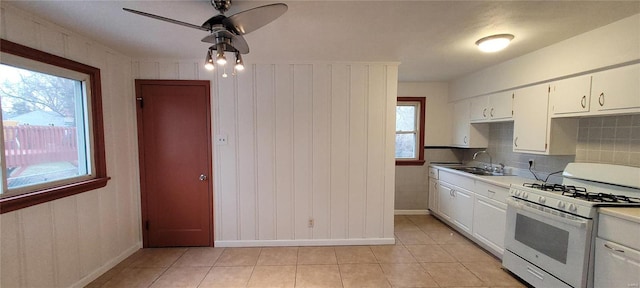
(433, 40)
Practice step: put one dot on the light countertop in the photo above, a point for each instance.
(502, 181)
(627, 213)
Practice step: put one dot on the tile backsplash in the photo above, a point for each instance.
(608, 139)
(612, 140)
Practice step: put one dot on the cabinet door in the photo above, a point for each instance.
(617, 89)
(445, 207)
(616, 265)
(461, 123)
(433, 195)
(463, 209)
(489, 220)
(501, 106)
(530, 119)
(479, 109)
(569, 96)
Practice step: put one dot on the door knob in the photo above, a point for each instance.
(202, 177)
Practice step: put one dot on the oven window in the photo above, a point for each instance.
(544, 238)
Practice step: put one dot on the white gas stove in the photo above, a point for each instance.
(551, 227)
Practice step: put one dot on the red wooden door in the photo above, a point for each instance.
(174, 139)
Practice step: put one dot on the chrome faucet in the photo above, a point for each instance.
(490, 160)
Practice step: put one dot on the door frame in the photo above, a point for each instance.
(143, 193)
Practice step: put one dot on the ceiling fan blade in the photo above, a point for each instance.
(252, 19)
(237, 41)
(166, 19)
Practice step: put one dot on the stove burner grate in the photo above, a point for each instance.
(582, 194)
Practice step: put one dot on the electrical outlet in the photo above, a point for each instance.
(531, 163)
(311, 222)
(221, 139)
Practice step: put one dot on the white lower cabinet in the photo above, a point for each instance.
(489, 220)
(616, 265)
(456, 205)
(445, 201)
(433, 195)
(474, 207)
(617, 256)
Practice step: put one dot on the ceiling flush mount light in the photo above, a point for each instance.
(494, 43)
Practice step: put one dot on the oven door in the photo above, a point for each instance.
(556, 244)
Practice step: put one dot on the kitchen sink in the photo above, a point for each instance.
(479, 171)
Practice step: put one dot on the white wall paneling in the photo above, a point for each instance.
(71, 241)
(305, 141)
(340, 80)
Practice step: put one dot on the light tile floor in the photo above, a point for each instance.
(427, 254)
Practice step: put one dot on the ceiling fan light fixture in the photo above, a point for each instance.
(226, 33)
(494, 43)
(208, 62)
(239, 63)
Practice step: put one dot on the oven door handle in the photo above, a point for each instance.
(573, 222)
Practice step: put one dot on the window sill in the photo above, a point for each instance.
(409, 162)
(16, 202)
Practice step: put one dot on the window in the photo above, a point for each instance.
(410, 131)
(52, 132)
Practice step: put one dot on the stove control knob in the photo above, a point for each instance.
(561, 205)
(541, 199)
(572, 207)
(517, 193)
(525, 195)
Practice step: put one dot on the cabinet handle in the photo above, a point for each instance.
(484, 112)
(611, 248)
(491, 113)
(515, 142)
(465, 140)
(601, 99)
(583, 102)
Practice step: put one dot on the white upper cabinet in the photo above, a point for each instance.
(479, 107)
(570, 97)
(492, 108)
(616, 90)
(466, 134)
(534, 132)
(530, 119)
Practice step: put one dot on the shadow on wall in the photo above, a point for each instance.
(412, 182)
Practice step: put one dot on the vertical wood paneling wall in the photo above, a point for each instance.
(304, 142)
(71, 241)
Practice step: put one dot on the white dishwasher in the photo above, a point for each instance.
(617, 257)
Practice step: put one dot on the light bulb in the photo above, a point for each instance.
(209, 61)
(220, 59)
(239, 64)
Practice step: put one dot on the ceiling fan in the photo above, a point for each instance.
(225, 33)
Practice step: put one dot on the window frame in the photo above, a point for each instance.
(100, 178)
(420, 122)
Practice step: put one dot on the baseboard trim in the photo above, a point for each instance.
(107, 266)
(411, 212)
(304, 242)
